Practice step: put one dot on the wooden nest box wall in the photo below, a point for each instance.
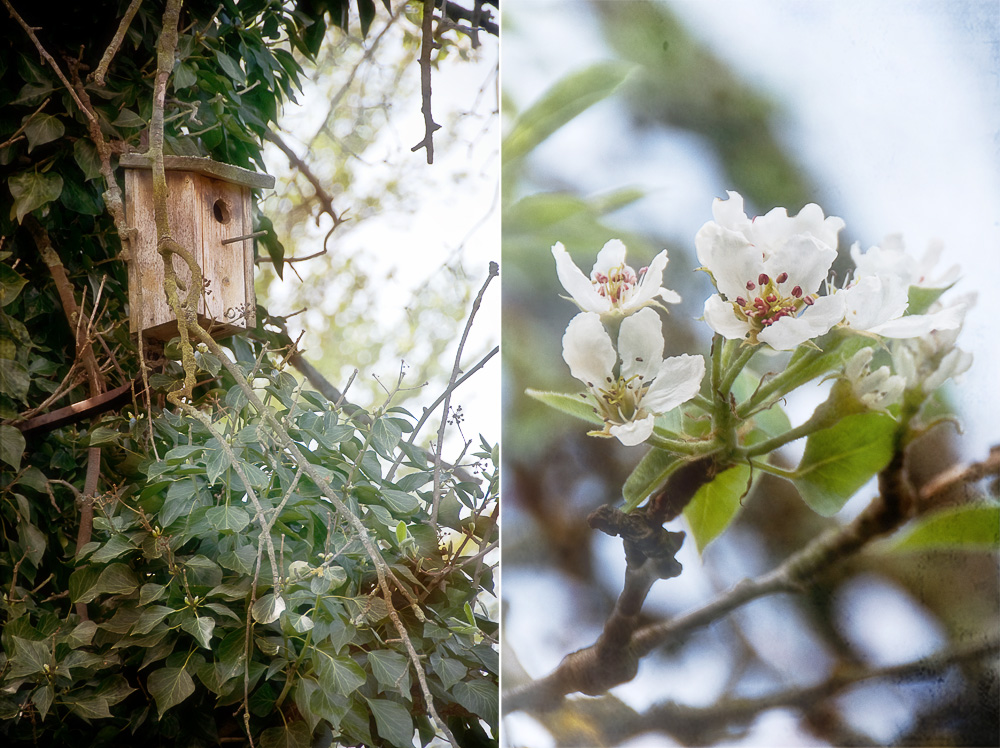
(209, 213)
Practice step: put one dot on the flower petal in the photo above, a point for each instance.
(722, 318)
(677, 381)
(634, 432)
(640, 345)
(818, 319)
(806, 261)
(588, 350)
(612, 255)
(576, 283)
(730, 257)
(649, 286)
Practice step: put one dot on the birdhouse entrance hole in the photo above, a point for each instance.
(221, 211)
(209, 211)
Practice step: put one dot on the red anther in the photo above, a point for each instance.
(771, 298)
(741, 301)
(762, 278)
(809, 300)
(751, 285)
(782, 278)
(797, 292)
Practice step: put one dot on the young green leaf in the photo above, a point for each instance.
(649, 474)
(575, 405)
(716, 503)
(841, 459)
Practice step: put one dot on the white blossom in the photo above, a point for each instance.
(613, 287)
(876, 390)
(768, 272)
(629, 394)
(929, 361)
(891, 258)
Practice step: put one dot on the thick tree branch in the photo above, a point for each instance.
(427, 44)
(102, 68)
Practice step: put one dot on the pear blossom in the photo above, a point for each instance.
(877, 300)
(768, 272)
(929, 361)
(891, 258)
(613, 287)
(629, 393)
(876, 390)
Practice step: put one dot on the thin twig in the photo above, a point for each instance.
(102, 68)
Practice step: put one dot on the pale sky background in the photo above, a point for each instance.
(893, 108)
(454, 210)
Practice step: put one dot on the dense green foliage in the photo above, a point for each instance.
(222, 593)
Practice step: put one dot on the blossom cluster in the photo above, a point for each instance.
(772, 277)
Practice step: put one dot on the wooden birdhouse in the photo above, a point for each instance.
(209, 212)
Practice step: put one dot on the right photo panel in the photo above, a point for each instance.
(751, 423)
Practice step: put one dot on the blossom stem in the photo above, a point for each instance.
(819, 420)
(702, 402)
(767, 467)
(736, 367)
(717, 344)
(780, 385)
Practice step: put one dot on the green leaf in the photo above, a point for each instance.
(116, 546)
(128, 118)
(42, 699)
(268, 608)
(393, 722)
(11, 446)
(14, 379)
(169, 686)
(228, 518)
(651, 472)
(715, 504)
(217, 462)
(972, 527)
(116, 579)
(87, 158)
(30, 657)
(11, 284)
(184, 76)
(391, 670)
(338, 674)
(563, 102)
(479, 696)
(103, 435)
(43, 128)
(201, 628)
(920, 299)
(579, 406)
(399, 502)
(292, 735)
(841, 459)
(231, 67)
(32, 190)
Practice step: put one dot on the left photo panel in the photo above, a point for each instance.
(249, 382)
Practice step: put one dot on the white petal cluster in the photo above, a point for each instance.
(613, 288)
(878, 299)
(634, 384)
(768, 272)
(876, 390)
(929, 361)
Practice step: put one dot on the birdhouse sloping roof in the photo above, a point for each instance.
(206, 166)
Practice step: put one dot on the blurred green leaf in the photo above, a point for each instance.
(716, 503)
(973, 527)
(651, 472)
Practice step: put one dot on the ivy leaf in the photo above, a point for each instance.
(11, 446)
(14, 379)
(292, 735)
(32, 190)
(42, 699)
(11, 283)
(480, 697)
(715, 504)
(338, 674)
(201, 628)
(841, 459)
(973, 527)
(391, 670)
(393, 722)
(128, 118)
(268, 609)
(228, 518)
(653, 469)
(169, 686)
(579, 406)
(43, 128)
(231, 67)
(87, 158)
(29, 657)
